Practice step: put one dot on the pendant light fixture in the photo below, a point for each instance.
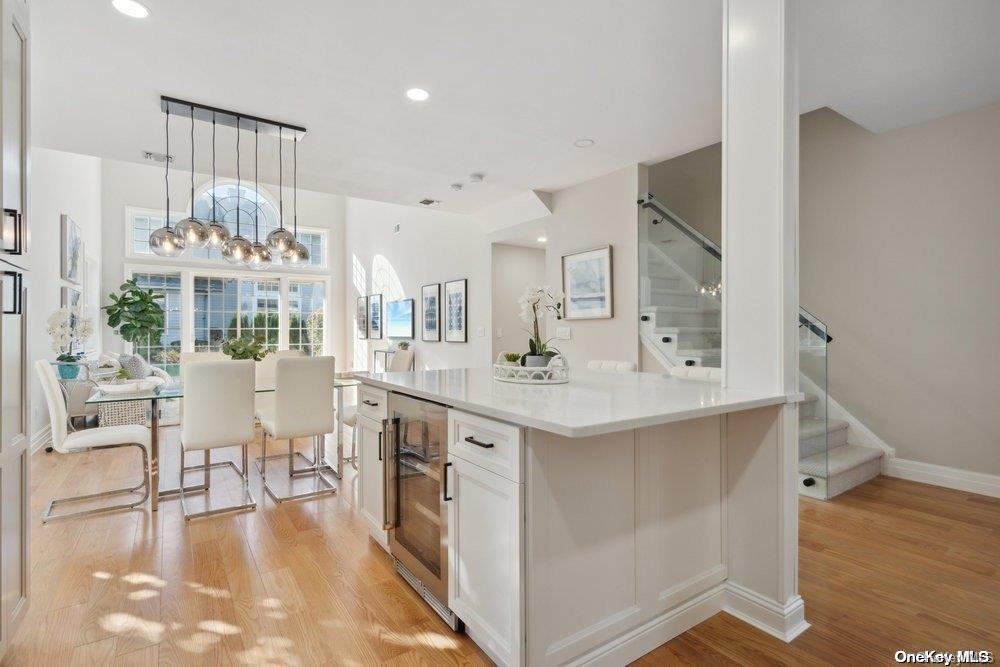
(299, 254)
(164, 242)
(280, 240)
(193, 230)
(260, 256)
(237, 249)
(218, 233)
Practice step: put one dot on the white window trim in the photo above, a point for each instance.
(188, 274)
(130, 254)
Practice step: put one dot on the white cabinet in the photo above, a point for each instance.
(485, 558)
(371, 487)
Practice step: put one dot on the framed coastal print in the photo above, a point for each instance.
(374, 315)
(456, 314)
(430, 297)
(586, 277)
(399, 318)
(69, 297)
(71, 262)
(362, 317)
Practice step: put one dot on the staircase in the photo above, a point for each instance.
(679, 325)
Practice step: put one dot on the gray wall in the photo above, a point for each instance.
(899, 234)
(513, 269)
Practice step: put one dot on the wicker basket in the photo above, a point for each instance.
(557, 372)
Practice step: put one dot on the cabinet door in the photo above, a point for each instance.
(14, 453)
(370, 488)
(14, 128)
(485, 537)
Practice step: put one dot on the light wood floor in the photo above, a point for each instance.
(889, 565)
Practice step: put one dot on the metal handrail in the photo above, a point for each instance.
(806, 319)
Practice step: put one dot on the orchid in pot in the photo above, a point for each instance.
(536, 302)
(69, 331)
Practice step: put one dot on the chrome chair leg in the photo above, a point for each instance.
(248, 500)
(48, 514)
(317, 469)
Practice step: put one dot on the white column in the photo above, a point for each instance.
(760, 308)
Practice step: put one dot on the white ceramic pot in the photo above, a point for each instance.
(536, 361)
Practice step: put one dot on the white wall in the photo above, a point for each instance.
(61, 183)
(599, 212)
(431, 247)
(129, 184)
(514, 268)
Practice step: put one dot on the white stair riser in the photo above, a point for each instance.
(817, 443)
(686, 319)
(666, 282)
(666, 297)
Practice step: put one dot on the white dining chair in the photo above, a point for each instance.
(265, 373)
(197, 357)
(218, 412)
(611, 366)
(401, 361)
(103, 437)
(303, 408)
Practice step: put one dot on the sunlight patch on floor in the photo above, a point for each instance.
(120, 623)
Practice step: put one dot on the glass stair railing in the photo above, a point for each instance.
(680, 293)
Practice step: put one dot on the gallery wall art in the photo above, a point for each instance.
(71, 257)
(430, 298)
(374, 315)
(456, 311)
(399, 318)
(361, 315)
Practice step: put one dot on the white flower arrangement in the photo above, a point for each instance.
(69, 330)
(535, 302)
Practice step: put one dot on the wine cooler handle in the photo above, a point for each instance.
(444, 485)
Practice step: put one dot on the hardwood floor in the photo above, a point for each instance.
(889, 565)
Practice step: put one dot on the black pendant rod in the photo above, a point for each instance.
(205, 112)
(281, 190)
(166, 174)
(256, 189)
(295, 187)
(213, 169)
(238, 184)
(192, 163)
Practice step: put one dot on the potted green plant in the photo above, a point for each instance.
(535, 302)
(241, 348)
(134, 313)
(512, 358)
(69, 331)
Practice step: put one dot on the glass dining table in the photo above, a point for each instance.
(176, 390)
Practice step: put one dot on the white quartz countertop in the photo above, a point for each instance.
(592, 403)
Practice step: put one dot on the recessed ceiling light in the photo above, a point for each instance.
(542, 239)
(583, 143)
(417, 94)
(132, 8)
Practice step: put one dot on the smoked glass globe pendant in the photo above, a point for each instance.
(164, 242)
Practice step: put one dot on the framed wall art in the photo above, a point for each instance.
(71, 257)
(456, 302)
(374, 315)
(362, 317)
(430, 298)
(587, 283)
(399, 318)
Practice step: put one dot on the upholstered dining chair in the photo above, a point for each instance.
(303, 408)
(401, 362)
(218, 412)
(611, 366)
(103, 437)
(265, 372)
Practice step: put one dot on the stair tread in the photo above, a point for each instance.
(837, 460)
(683, 330)
(699, 352)
(810, 427)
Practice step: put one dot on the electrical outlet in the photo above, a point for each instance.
(564, 333)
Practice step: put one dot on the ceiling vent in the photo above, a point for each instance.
(429, 202)
(157, 157)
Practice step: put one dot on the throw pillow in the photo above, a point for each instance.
(135, 366)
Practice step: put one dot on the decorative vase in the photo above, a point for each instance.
(69, 371)
(536, 361)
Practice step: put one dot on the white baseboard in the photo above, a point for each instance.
(784, 622)
(952, 478)
(42, 438)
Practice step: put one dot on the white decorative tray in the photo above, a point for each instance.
(557, 372)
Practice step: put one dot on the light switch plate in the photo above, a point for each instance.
(564, 333)
(481, 331)
(499, 332)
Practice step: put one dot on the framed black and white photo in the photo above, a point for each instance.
(586, 277)
(456, 314)
(374, 315)
(69, 297)
(71, 257)
(430, 297)
(399, 318)
(362, 317)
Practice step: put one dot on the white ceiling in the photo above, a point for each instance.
(513, 84)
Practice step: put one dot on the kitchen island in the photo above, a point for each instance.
(587, 522)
